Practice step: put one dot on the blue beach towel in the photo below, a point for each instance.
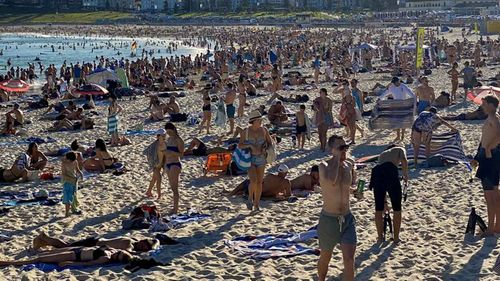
(141, 133)
(176, 221)
(273, 246)
(48, 267)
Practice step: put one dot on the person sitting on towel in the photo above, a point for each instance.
(277, 114)
(15, 116)
(172, 107)
(273, 186)
(199, 148)
(385, 179)
(18, 170)
(157, 113)
(119, 243)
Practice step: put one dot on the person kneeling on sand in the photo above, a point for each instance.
(120, 243)
(273, 186)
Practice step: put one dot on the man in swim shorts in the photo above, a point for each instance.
(488, 159)
(425, 95)
(385, 179)
(336, 223)
(230, 108)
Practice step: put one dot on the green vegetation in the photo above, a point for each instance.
(16, 17)
(258, 15)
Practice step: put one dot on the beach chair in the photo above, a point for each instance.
(217, 163)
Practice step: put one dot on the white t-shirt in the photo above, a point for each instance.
(402, 92)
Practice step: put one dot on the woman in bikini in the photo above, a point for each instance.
(102, 159)
(207, 114)
(323, 116)
(77, 256)
(38, 159)
(257, 139)
(156, 155)
(18, 170)
(348, 110)
(242, 96)
(173, 167)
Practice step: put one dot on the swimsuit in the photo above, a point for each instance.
(207, 107)
(423, 105)
(489, 168)
(301, 129)
(178, 164)
(230, 110)
(425, 122)
(385, 179)
(334, 229)
(87, 242)
(257, 160)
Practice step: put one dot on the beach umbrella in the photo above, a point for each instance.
(476, 95)
(91, 89)
(15, 86)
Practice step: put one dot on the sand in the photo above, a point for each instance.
(434, 217)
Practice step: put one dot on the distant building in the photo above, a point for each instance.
(121, 5)
(428, 5)
(94, 4)
(152, 5)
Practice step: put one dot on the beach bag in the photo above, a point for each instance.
(242, 159)
(271, 153)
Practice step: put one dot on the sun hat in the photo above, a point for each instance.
(283, 168)
(254, 115)
(161, 132)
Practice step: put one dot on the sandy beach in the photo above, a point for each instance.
(434, 216)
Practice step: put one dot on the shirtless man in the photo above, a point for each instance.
(307, 181)
(230, 108)
(454, 81)
(172, 107)
(425, 94)
(301, 126)
(273, 186)
(488, 160)
(277, 113)
(120, 243)
(15, 115)
(336, 223)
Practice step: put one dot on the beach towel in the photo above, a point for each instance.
(449, 145)
(28, 141)
(141, 133)
(112, 124)
(221, 115)
(242, 159)
(496, 268)
(30, 202)
(273, 246)
(48, 267)
(392, 114)
(176, 221)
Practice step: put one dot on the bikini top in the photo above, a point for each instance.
(99, 252)
(254, 142)
(173, 148)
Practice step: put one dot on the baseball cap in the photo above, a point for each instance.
(283, 168)
(161, 132)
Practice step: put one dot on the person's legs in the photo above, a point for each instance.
(490, 196)
(231, 126)
(44, 240)
(397, 135)
(40, 165)
(323, 262)
(427, 141)
(415, 140)
(322, 129)
(252, 175)
(173, 178)
(348, 251)
(258, 186)
(154, 179)
(352, 130)
(496, 203)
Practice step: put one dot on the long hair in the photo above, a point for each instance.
(31, 146)
(171, 126)
(101, 145)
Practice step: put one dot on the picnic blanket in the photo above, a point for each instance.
(449, 145)
(273, 246)
(392, 114)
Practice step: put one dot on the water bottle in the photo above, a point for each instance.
(361, 186)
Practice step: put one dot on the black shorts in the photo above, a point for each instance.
(87, 242)
(17, 123)
(201, 150)
(301, 129)
(385, 179)
(489, 168)
(1, 175)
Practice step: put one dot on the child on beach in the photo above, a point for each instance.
(301, 126)
(70, 173)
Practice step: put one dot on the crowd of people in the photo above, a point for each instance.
(248, 64)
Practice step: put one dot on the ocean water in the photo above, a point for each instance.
(22, 49)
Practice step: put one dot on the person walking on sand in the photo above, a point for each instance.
(70, 174)
(469, 75)
(301, 126)
(155, 154)
(454, 74)
(336, 223)
(323, 116)
(207, 115)
(488, 160)
(230, 108)
(385, 179)
(257, 139)
(173, 153)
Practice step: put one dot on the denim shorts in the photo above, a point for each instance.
(258, 160)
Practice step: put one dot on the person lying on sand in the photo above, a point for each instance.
(273, 186)
(68, 125)
(77, 256)
(477, 114)
(119, 243)
(307, 182)
(61, 108)
(198, 148)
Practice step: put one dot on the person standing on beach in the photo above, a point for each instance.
(385, 179)
(323, 116)
(425, 94)
(230, 108)
(155, 154)
(398, 91)
(70, 174)
(173, 153)
(488, 160)
(301, 126)
(336, 223)
(257, 139)
(469, 75)
(454, 81)
(114, 110)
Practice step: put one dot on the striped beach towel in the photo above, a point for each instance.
(243, 159)
(112, 124)
(392, 114)
(449, 145)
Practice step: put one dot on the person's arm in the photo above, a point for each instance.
(453, 129)
(404, 166)
(269, 140)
